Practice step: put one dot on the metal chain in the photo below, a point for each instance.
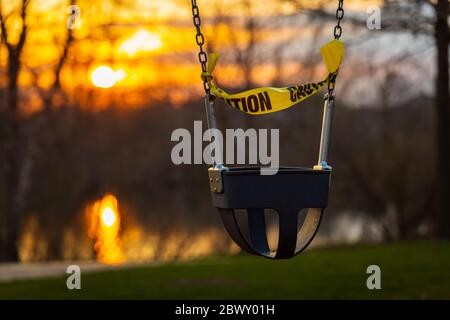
(200, 39)
(337, 34)
(339, 16)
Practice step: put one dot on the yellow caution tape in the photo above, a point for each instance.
(332, 54)
(267, 99)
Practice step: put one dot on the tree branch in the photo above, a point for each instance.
(4, 35)
(23, 34)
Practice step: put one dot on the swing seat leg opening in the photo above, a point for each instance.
(288, 192)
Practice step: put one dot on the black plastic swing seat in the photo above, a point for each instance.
(289, 191)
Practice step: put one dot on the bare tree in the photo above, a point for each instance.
(398, 18)
(56, 85)
(22, 146)
(410, 16)
(12, 149)
(442, 37)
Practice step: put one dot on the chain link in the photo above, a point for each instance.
(337, 34)
(339, 16)
(200, 39)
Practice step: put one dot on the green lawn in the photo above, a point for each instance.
(408, 270)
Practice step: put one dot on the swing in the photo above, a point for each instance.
(292, 189)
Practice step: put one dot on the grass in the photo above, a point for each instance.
(408, 270)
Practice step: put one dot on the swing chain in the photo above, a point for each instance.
(339, 16)
(337, 34)
(200, 39)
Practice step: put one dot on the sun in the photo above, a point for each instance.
(141, 41)
(106, 77)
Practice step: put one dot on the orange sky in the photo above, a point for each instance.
(121, 49)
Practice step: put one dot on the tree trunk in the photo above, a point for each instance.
(442, 121)
(12, 210)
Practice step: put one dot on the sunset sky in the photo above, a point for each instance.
(125, 47)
